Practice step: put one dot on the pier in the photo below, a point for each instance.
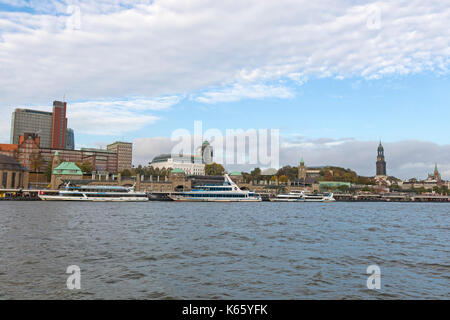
(390, 198)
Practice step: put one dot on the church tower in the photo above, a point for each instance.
(302, 170)
(55, 161)
(381, 163)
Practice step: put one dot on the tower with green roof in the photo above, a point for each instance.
(302, 170)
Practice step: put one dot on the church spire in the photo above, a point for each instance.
(381, 163)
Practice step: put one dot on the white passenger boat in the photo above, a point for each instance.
(228, 192)
(95, 193)
(292, 196)
(318, 197)
(301, 196)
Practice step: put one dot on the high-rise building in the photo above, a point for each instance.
(59, 125)
(381, 163)
(205, 153)
(124, 151)
(70, 139)
(32, 121)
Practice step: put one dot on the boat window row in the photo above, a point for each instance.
(215, 189)
(200, 195)
(97, 195)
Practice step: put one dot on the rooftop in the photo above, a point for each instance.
(9, 163)
(68, 168)
(46, 113)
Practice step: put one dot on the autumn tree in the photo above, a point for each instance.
(214, 169)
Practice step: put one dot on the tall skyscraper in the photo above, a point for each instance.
(70, 139)
(124, 151)
(59, 125)
(206, 152)
(32, 121)
(381, 163)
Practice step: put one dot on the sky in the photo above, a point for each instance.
(334, 78)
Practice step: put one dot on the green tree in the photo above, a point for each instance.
(85, 167)
(255, 174)
(290, 172)
(214, 169)
(126, 173)
(420, 190)
(48, 172)
(36, 163)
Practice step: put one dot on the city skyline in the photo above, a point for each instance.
(364, 81)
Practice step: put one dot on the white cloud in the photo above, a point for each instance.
(239, 91)
(153, 48)
(405, 159)
(108, 117)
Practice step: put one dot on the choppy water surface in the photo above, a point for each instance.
(165, 250)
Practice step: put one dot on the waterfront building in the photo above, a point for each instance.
(237, 177)
(29, 154)
(70, 139)
(32, 121)
(51, 127)
(63, 172)
(102, 161)
(10, 150)
(12, 174)
(59, 125)
(381, 163)
(28, 151)
(191, 165)
(435, 177)
(124, 151)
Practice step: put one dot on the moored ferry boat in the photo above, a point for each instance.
(96, 193)
(318, 197)
(301, 196)
(228, 192)
(292, 196)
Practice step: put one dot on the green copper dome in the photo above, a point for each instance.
(68, 168)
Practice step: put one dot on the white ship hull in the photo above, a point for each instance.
(95, 199)
(187, 199)
(318, 200)
(284, 200)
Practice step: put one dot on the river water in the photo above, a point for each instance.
(168, 250)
